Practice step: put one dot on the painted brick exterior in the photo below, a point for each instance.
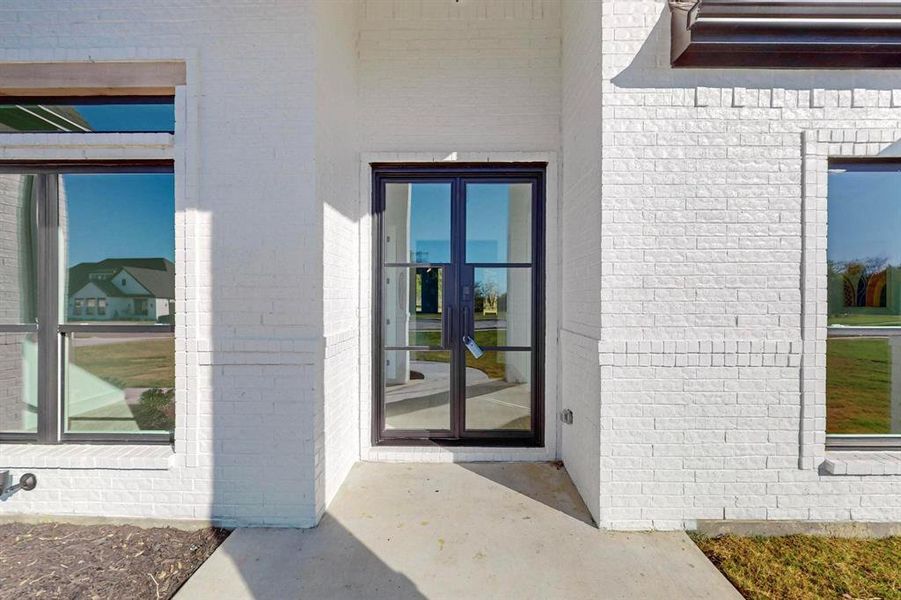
(685, 236)
(249, 291)
(703, 237)
(580, 223)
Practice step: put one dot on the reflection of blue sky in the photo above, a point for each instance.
(128, 117)
(487, 218)
(120, 216)
(864, 215)
(430, 222)
(487, 214)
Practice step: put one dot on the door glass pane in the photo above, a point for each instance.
(414, 305)
(864, 249)
(503, 306)
(498, 222)
(18, 239)
(120, 382)
(18, 382)
(417, 389)
(499, 391)
(417, 222)
(119, 247)
(863, 385)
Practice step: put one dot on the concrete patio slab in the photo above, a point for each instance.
(485, 530)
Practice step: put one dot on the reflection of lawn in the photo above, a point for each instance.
(115, 418)
(140, 363)
(866, 320)
(858, 385)
(489, 363)
(501, 315)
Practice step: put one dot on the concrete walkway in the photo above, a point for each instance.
(467, 531)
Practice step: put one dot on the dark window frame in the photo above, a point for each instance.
(843, 441)
(50, 329)
(459, 175)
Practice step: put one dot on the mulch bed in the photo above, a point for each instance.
(58, 560)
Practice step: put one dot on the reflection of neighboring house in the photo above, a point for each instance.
(122, 289)
(860, 292)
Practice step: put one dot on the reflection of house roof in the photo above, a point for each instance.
(42, 118)
(159, 282)
(157, 275)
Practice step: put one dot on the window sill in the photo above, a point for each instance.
(85, 456)
(862, 463)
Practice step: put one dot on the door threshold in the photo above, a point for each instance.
(459, 443)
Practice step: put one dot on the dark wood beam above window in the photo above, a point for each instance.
(786, 34)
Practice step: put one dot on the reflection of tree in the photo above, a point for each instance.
(863, 281)
(487, 297)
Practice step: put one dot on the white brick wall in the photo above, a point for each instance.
(471, 81)
(480, 75)
(580, 213)
(248, 258)
(681, 243)
(337, 187)
(702, 222)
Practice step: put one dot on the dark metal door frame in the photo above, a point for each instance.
(458, 272)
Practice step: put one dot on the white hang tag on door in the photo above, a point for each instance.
(472, 346)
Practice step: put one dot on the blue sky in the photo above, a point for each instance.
(128, 117)
(121, 215)
(864, 215)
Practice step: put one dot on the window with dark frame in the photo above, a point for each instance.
(863, 346)
(116, 368)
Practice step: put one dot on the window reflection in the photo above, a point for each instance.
(414, 305)
(864, 248)
(105, 117)
(120, 244)
(417, 222)
(417, 389)
(499, 391)
(502, 306)
(120, 383)
(498, 222)
(863, 386)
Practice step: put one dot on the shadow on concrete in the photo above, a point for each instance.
(547, 483)
(279, 564)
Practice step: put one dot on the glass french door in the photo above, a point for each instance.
(459, 304)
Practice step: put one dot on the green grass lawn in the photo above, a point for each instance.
(490, 363)
(858, 385)
(801, 567)
(500, 316)
(140, 363)
(860, 320)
